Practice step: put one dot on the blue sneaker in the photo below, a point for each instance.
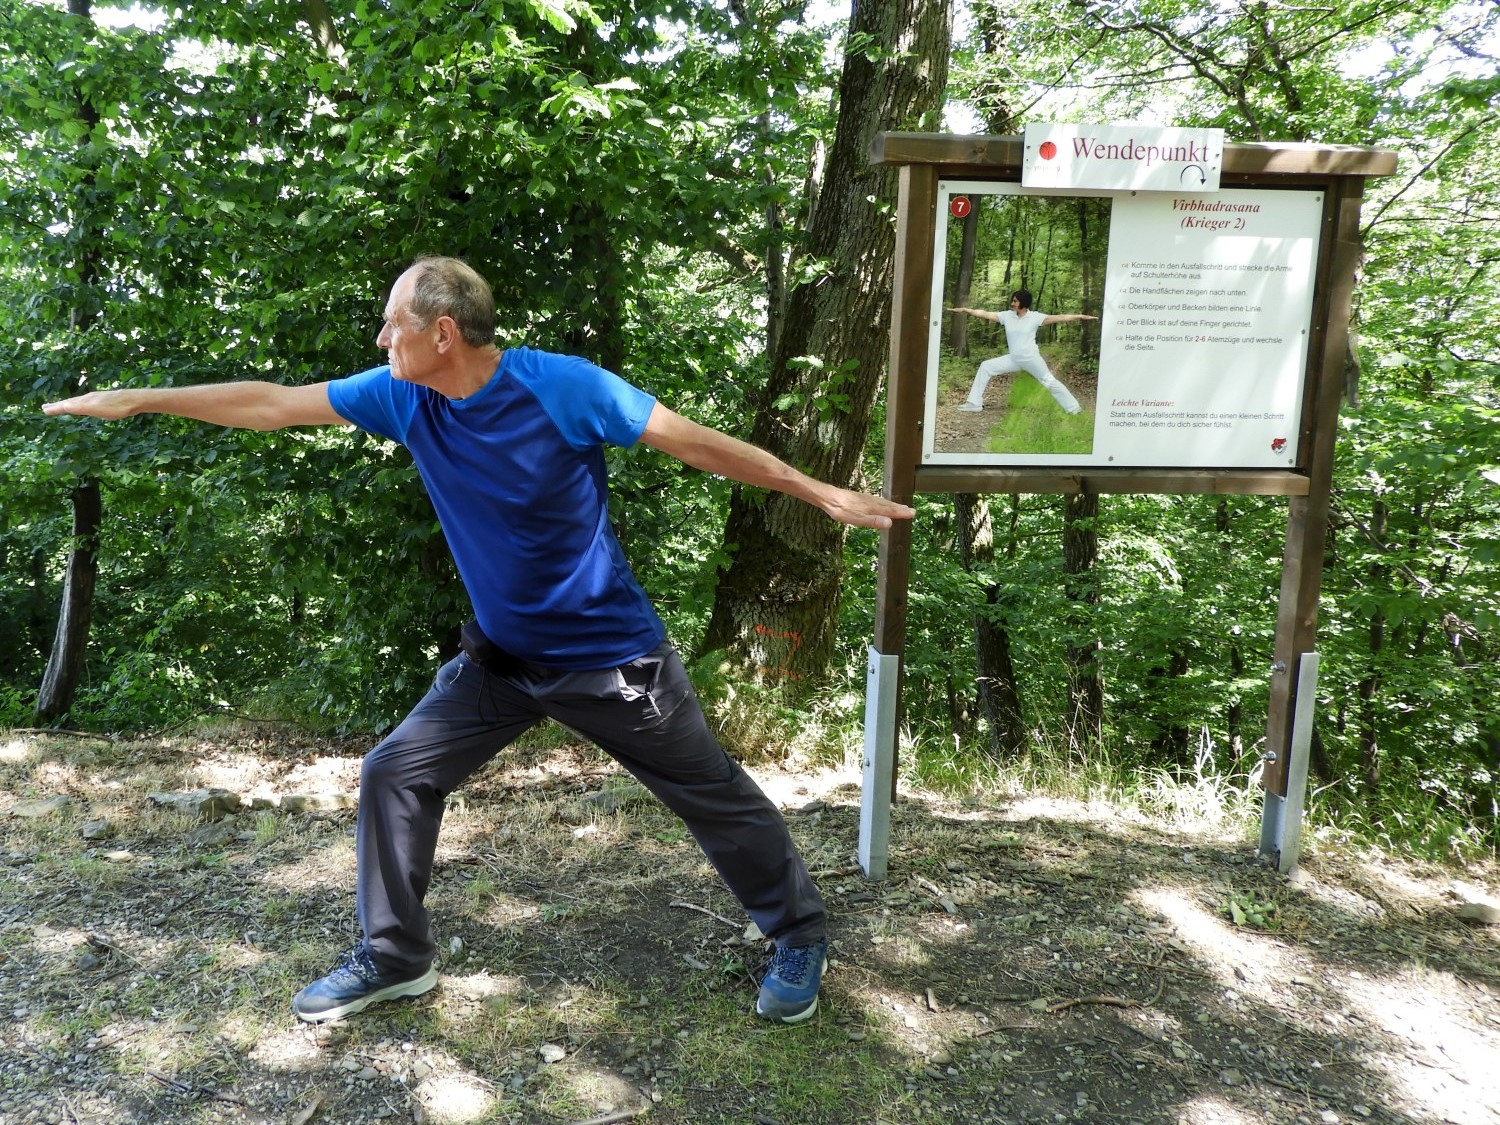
(354, 984)
(789, 992)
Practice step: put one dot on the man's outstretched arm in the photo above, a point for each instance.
(718, 453)
(247, 406)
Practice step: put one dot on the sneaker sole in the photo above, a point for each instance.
(806, 1014)
(415, 987)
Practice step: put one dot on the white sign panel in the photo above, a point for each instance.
(1120, 157)
(1206, 322)
(1176, 325)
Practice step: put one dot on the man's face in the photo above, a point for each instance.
(411, 350)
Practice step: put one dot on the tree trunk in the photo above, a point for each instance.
(999, 691)
(65, 666)
(70, 642)
(1085, 684)
(1234, 716)
(1369, 685)
(958, 330)
(776, 605)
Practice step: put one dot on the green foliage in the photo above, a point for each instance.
(1410, 587)
(1250, 908)
(231, 201)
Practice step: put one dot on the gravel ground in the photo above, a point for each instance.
(1029, 961)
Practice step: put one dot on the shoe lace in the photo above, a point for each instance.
(358, 962)
(791, 964)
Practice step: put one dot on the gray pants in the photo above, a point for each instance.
(644, 714)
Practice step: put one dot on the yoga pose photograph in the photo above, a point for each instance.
(1021, 323)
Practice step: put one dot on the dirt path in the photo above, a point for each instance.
(1030, 961)
(961, 432)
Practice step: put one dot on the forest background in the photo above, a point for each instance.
(680, 191)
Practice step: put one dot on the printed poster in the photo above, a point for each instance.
(1157, 329)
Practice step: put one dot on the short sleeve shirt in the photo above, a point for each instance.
(1020, 333)
(517, 475)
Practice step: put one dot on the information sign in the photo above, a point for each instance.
(1122, 157)
(1199, 352)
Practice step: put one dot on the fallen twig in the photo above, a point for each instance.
(1112, 1001)
(677, 902)
(943, 898)
(64, 732)
(196, 1091)
(1001, 1027)
(611, 1118)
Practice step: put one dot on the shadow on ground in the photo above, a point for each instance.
(1028, 961)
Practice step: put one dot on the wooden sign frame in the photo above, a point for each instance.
(1339, 172)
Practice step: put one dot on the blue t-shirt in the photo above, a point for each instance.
(516, 473)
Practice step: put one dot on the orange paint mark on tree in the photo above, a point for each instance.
(785, 671)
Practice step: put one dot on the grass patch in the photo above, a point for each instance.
(1032, 422)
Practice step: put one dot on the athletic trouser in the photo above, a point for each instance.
(644, 714)
(1036, 368)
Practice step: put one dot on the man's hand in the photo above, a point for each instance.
(95, 404)
(861, 509)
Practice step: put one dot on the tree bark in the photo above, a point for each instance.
(777, 601)
(1085, 683)
(1369, 684)
(999, 690)
(70, 642)
(958, 329)
(65, 666)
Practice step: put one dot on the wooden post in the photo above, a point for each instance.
(1307, 515)
(910, 313)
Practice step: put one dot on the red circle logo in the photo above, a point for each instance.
(1048, 150)
(960, 206)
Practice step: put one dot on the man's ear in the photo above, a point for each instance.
(447, 332)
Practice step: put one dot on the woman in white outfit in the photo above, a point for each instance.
(1021, 323)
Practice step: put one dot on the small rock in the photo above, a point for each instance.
(34, 810)
(214, 835)
(1231, 1077)
(1480, 913)
(551, 1053)
(211, 804)
(97, 830)
(616, 797)
(316, 802)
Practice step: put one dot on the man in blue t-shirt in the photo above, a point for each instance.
(510, 446)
